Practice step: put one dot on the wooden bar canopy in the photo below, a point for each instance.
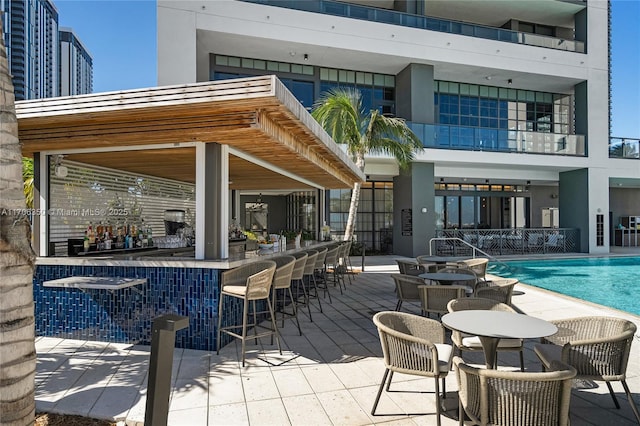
(274, 142)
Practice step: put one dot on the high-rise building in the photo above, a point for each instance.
(76, 65)
(32, 38)
(510, 99)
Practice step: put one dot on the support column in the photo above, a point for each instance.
(212, 201)
(413, 211)
(584, 194)
(416, 84)
(41, 203)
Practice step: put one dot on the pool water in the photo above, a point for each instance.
(612, 282)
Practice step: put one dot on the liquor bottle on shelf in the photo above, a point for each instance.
(143, 234)
(149, 237)
(120, 237)
(108, 236)
(91, 235)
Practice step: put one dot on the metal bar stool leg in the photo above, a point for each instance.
(245, 314)
(295, 310)
(274, 325)
(218, 343)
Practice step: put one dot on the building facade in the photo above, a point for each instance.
(35, 52)
(510, 99)
(76, 65)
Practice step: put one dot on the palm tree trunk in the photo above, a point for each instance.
(355, 199)
(17, 334)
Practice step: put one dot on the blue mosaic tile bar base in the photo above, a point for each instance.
(126, 315)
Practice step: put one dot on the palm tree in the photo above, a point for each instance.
(27, 178)
(341, 114)
(17, 333)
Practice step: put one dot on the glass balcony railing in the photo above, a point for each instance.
(386, 16)
(624, 148)
(498, 140)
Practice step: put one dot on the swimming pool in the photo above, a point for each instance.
(613, 282)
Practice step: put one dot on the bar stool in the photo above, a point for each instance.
(249, 283)
(319, 277)
(331, 264)
(297, 277)
(282, 281)
(309, 280)
(333, 267)
(343, 262)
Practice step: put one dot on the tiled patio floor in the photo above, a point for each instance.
(327, 376)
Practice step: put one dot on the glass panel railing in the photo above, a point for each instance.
(624, 148)
(497, 140)
(387, 16)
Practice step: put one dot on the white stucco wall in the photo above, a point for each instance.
(176, 44)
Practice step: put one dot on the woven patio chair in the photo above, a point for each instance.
(500, 290)
(412, 344)
(434, 298)
(406, 288)
(477, 265)
(429, 265)
(468, 342)
(250, 282)
(500, 397)
(597, 347)
(462, 269)
(409, 267)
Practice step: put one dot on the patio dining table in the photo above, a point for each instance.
(491, 326)
(447, 278)
(442, 259)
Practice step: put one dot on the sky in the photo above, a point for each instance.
(121, 37)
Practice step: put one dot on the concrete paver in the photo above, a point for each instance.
(328, 376)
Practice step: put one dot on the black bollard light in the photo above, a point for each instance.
(163, 340)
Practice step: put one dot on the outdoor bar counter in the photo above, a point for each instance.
(115, 298)
(201, 154)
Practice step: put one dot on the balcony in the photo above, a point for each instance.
(392, 17)
(498, 140)
(624, 148)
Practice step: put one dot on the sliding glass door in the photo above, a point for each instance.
(482, 212)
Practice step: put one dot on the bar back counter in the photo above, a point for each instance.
(116, 298)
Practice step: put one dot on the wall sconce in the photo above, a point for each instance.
(306, 57)
(60, 170)
(423, 210)
(510, 81)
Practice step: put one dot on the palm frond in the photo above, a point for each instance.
(339, 112)
(390, 135)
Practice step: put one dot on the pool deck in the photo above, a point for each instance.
(327, 376)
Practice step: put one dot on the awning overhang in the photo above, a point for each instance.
(274, 141)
